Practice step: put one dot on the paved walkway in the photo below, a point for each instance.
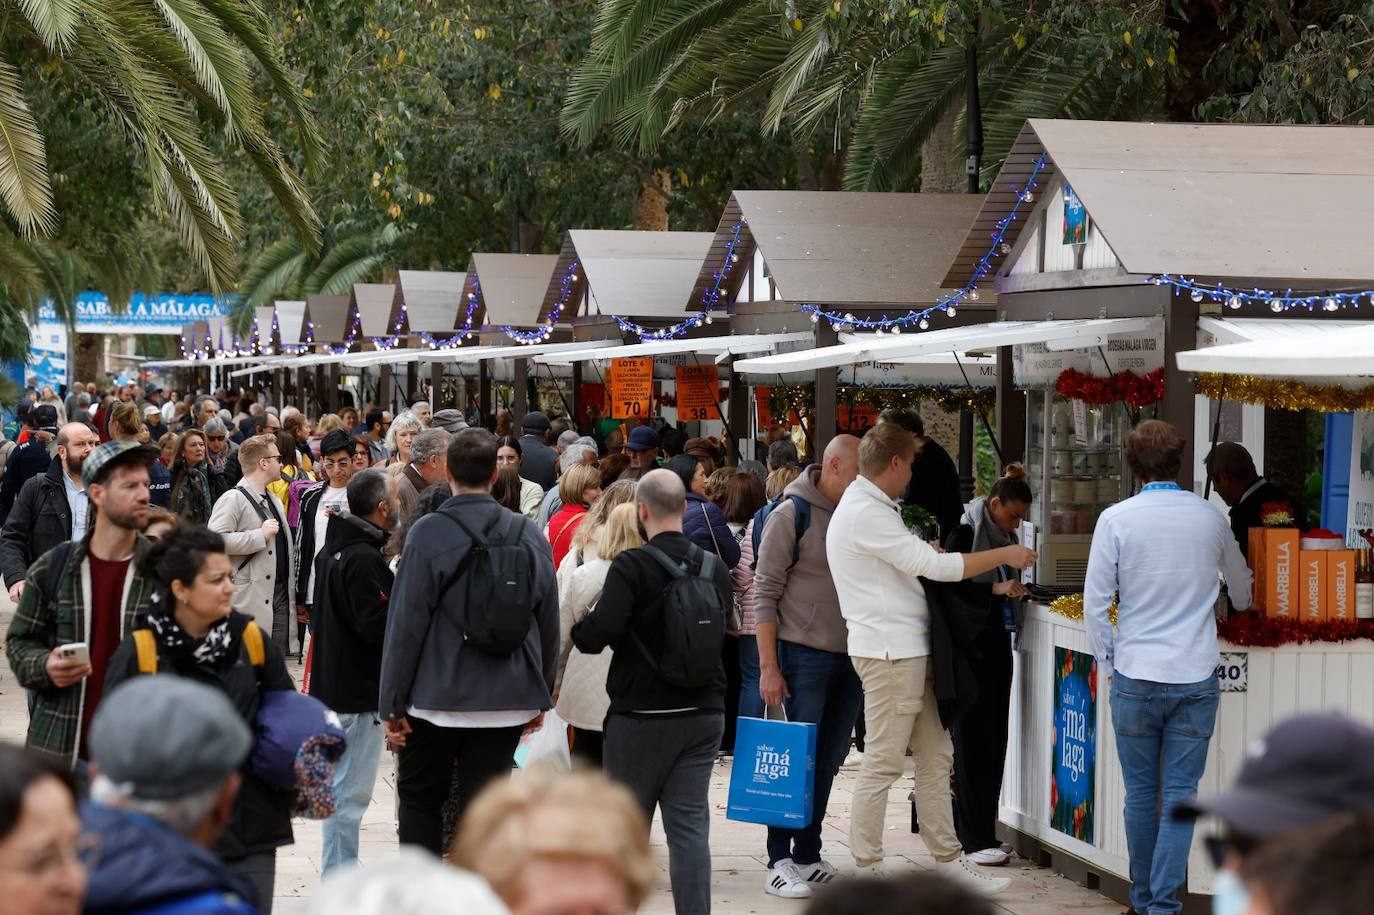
(737, 848)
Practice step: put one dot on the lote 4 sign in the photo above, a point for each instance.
(631, 387)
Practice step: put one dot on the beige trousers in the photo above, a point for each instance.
(900, 712)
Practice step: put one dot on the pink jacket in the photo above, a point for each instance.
(742, 578)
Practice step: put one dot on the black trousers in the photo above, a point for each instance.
(425, 770)
(729, 656)
(588, 747)
(980, 744)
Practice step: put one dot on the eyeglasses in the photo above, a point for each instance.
(272, 457)
(336, 465)
(216, 438)
(84, 853)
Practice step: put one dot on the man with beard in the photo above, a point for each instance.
(89, 591)
(51, 508)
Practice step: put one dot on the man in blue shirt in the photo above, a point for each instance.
(1158, 553)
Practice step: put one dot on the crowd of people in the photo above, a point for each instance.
(451, 585)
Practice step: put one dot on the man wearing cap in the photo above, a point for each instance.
(90, 590)
(1307, 769)
(32, 457)
(642, 446)
(165, 758)
(539, 461)
(51, 508)
(451, 421)
(152, 418)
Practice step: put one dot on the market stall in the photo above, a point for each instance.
(1231, 235)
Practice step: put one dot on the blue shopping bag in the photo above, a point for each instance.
(773, 781)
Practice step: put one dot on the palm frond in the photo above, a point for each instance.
(24, 182)
(283, 278)
(54, 20)
(217, 63)
(355, 271)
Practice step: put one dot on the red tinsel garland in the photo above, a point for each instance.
(1271, 632)
(1136, 390)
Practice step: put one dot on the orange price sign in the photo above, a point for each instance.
(631, 386)
(698, 392)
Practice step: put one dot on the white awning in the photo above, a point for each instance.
(272, 363)
(915, 348)
(1284, 349)
(481, 353)
(717, 347)
(218, 361)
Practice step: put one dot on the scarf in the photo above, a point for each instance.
(217, 461)
(176, 644)
(987, 536)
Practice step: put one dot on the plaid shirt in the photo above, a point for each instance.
(55, 725)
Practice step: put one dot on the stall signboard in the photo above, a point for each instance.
(47, 356)
(667, 364)
(1360, 515)
(980, 373)
(1073, 770)
(1034, 365)
(698, 393)
(1075, 219)
(161, 313)
(762, 405)
(631, 382)
(857, 417)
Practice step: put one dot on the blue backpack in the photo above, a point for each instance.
(801, 507)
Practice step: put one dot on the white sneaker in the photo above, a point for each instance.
(876, 871)
(989, 857)
(853, 760)
(785, 879)
(820, 872)
(962, 872)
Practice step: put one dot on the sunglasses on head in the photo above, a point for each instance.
(215, 438)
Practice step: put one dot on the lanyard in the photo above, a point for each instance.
(1158, 487)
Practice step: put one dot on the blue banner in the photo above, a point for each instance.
(162, 313)
(773, 779)
(1074, 767)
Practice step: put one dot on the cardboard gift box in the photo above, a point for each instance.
(1312, 585)
(1274, 561)
(1340, 585)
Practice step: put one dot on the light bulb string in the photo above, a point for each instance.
(544, 332)
(709, 299)
(1278, 302)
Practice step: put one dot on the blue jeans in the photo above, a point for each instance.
(827, 692)
(750, 702)
(1162, 732)
(355, 774)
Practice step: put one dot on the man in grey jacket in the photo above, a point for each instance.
(803, 651)
(442, 700)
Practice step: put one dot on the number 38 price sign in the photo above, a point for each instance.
(1073, 770)
(698, 392)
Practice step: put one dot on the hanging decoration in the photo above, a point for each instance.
(947, 304)
(1136, 390)
(1278, 302)
(1285, 394)
(546, 330)
(465, 332)
(386, 343)
(1071, 606)
(801, 398)
(709, 299)
(1271, 632)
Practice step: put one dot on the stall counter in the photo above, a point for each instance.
(1061, 733)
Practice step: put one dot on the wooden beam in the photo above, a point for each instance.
(739, 421)
(520, 397)
(826, 417)
(1180, 333)
(1011, 411)
(436, 388)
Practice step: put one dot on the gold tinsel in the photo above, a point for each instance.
(1071, 606)
(1285, 394)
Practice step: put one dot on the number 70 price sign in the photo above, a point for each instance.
(630, 385)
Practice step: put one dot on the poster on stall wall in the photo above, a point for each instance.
(631, 383)
(47, 355)
(1073, 769)
(698, 393)
(1360, 514)
(1075, 219)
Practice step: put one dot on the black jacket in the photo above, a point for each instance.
(25, 462)
(631, 600)
(935, 486)
(1245, 514)
(305, 538)
(159, 485)
(352, 594)
(425, 663)
(39, 521)
(262, 816)
(538, 462)
(958, 612)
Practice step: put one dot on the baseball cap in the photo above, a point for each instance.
(151, 389)
(152, 409)
(168, 737)
(642, 438)
(104, 458)
(449, 420)
(44, 417)
(1306, 769)
(535, 420)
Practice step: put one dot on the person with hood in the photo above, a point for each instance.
(353, 589)
(804, 663)
(980, 735)
(191, 631)
(702, 521)
(166, 753)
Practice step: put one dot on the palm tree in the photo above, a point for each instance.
(178, 76)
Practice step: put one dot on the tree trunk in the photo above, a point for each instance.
(941, 172)
(651, 209)
(88, 360)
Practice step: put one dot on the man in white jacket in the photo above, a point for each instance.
(258, 540)
(876, 564)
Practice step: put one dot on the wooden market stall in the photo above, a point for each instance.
(1212, 233)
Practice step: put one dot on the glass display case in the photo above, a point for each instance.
(1074, 465)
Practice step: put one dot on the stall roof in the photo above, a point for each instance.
(629, 273)
(262, 320)
(1327, 349)
(431, 299)
(971, 338)
(862, 250)
(726, 344)
(1254, 201)
(374, 304)
(329, 314)
(512, 288)
(291, 317)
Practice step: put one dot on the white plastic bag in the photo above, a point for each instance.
(549, 743)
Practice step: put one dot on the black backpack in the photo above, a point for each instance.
(694, 618)
(498, 606)
(800, 507)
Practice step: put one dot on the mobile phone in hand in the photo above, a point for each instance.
(75, 651)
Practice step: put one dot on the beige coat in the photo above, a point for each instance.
(581, 686)
(241, 525)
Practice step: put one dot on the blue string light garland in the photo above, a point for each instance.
(544, 332)
(948, 304)
(464, 332)
(1278, 302)
(709, 299)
